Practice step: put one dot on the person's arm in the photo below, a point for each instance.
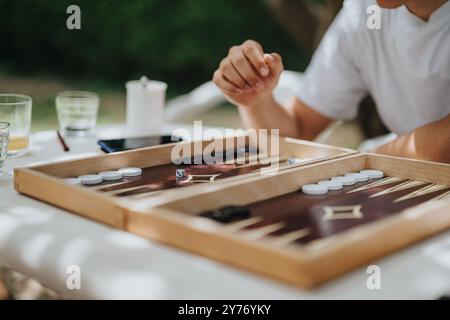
(430, 142)
(248, 77)
(296, 120)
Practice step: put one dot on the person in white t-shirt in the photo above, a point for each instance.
(404, 65)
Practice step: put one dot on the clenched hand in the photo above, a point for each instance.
(248, 75)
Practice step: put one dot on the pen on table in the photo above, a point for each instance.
(62, 141)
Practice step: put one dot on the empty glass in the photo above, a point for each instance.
(77, 112)
(4, 136)
(16, 110)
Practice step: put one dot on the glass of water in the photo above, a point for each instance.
(77, 112)
(16, 110)
(4, 136)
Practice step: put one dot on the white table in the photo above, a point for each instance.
(42, 241)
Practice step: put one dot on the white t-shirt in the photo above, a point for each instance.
(405, 66)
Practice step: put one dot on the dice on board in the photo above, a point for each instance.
(180, 173)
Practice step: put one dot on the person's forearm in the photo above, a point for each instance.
(247, 77)
(430, 142)
(269, 114)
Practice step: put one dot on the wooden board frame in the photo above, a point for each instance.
(169, 217)
(174, 222)
(44, 182)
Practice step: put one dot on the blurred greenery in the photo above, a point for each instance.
(180, 41)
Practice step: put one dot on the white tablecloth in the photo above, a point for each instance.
(42, 241)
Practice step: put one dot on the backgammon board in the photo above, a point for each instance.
(279, 231)
(262, 223)
(243, 159)
(155, 179)
(298, 218)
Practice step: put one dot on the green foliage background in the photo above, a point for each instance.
(178, 41)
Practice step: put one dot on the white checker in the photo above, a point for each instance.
(346, 181)
(359, 177)
(294, 161)
(91, 179)
(332, 184)
(111, 175)
(314, 189)
(131, 172)
(72, 181)
(373, 174)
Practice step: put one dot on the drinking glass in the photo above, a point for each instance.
(77, 112)
(16, 110)
(4, 136)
